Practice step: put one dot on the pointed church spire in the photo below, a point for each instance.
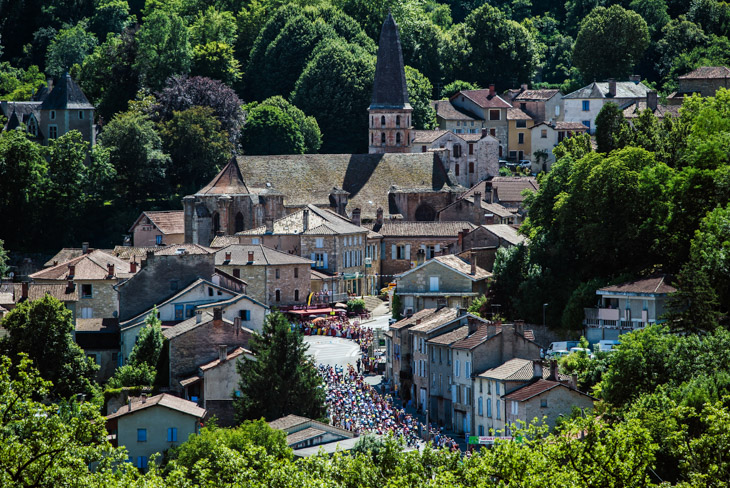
(389, 85)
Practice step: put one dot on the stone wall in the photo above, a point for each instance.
(104, 302)
(559, 401)
(706, 87)
(389, 267)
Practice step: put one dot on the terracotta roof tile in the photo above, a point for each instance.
(473, 340)
(409, 321)
(427, 136)
(462, 265)
(167, 222)
(230, 356)
(303, 435)
(634, 110)
(418, 229)
(483, 99)
(450, 337)
(97, 325)
(228, 182)
(175, 249)
(131, 253)
(163, 400)
(287, 422)
(707, 72)
(506, 233)
(509, 188)
(517, 114)
(512, 370)
(533, 95)
(654, 285)
(262, 256)
(438, 318)
(91, 266)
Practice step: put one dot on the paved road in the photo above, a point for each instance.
(333, 350)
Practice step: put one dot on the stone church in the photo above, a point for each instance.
(401, 179)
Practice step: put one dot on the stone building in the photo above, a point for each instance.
(99, 338)
(54, 111)
(483, 212)
(274, 278)
(390, 111)
(158, 228)
(584, 104)
(540, 105)
(546, 135)
(440, 369)
(490, 108)
(455, 119)
(705, 80)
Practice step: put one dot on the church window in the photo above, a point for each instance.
(239, 222)
(33, 127)
(397, 121)
(397, 138)
(382, 138)
(382, 120)
(216, 223)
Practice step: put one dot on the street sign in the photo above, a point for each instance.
(487, 439)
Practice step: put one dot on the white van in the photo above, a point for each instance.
(560, 346)
(607, 345)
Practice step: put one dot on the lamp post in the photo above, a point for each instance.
(544, 306)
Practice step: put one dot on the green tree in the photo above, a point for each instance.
(397, 307)
(455, 87)
(270, 130)
(554, 49)
(307, 124)
(419, 95)
(694, 306)
(710, 253)
(610, 127)
(43, 329)
(110, 17)
(3, 260)
(678, 36)
(624, 30)
(135, 151)
(163, 48)
(478, 307)
(215, 60)
(507, 44)
(149, 343)
(282, 379)
(68, 48)
(133, 375)
(17, 84)
(197, 146)
(654, 12)
(212, 25)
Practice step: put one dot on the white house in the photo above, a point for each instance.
(584, 104)
(547, 135)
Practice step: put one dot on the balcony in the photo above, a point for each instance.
(611, 318)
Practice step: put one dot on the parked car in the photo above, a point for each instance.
(582, 349)
(525, 164)
(560, 346)
(606, 345)
(558, 354)
(502, 163)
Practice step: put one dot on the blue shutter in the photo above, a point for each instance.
(325, 261)
(313, 259)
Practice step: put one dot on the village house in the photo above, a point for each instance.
(215, 384)
(96, 275)
(447, 280)
(455, 119)
(484, 241)
(483, 212)
(705, 81)
(404, 243)
(440, 369)
(632, 112)
(545, 136)
(308, 437)
(584, 104)
(158, 228)
(626, 307)
(274, 278)
(490, 108)
(540, 105)
(11, 294)
(54, 111)
(520, 144)
(197, 341)
(147, 426)
(99, 338)
(506, 191)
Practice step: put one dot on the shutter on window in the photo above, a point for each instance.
(393, 253)
(437, 248)
(315, 262)
(325, 260)
(408, 251)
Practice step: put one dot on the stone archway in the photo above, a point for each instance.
(425, 213)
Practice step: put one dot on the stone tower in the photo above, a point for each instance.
(390, 111)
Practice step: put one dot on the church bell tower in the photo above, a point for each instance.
(390, 111)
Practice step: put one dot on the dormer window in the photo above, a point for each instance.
(53, 115)
(33, 127)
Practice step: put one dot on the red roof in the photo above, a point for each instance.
(483, 99)
(656, 284)
(533, 389)
(228, 182)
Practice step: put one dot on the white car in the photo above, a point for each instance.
(579, 349)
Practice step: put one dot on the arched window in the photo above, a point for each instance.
(397, 138)
(382, 138)
(296, 295)
(382, 120)
(278, 295)
(397, 121)
(239, 222)
(216, 223)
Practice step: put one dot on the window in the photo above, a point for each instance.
(471, 167)
(493, 132)
(397, 138)
(53, 115)
(158, 240)
(489, 408)
(33, 127)
(489, 387)
(457, 150)
(521, 124)
(434, 283)
(497, 387)
(424, 148)
(543, 134)
(81, 115)
(255, 241)
(494, 115)
(278, 275)
(467, 395)
(479, 406)
(245, 315)
(210, 291)
(471, 149)
(382, 138)
(278, 295)
(515, 408)
(318, 259)
(189, 311)
(52, 132)
(86, 291)
(172, 434)
(382, 122)
(319, 242)
(457, 367)
(467, 369)
(239, 222)
(141, 435)
(543, 403)
(296, 272)
(434, 380)
(397, 121)
(586, 105)
(481, 430)
(587, 123)
(401, 252)
(142, 462)
(499, 414)
(179, 312)
(236, 273)
(521, 138)
(296, 295)
(456, 169)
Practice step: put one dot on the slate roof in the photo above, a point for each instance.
(427, 136)
(167, 222)
(633, 111)
(229, 181)
(262, 255)
(707, 72)
(91, 266)
(624, 89)
(450, 337)
(509, 188)
(506, 233)
(653, 285)
(408, 321)
(437, 319)
(447, 110)
(517, 114)
(399, 228)
(536, 95)
(473, 340)
(66, 95)
(483, 99)
(97, 325)
(223, 241)
(163, 400)
(389, 84)
(173, 249)
(309, 178)
(321, 222)
(512, 370)
(11, 293)
(461, 265)
(303, 435)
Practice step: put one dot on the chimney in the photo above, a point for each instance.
(228, 256)
(133, 267)
(523, 87)
(520, 326)
(250, 256)
(84, 247)
(473, 325)
(269, 223)
(473, 264)
(217, 316)
(651, 100)
(418, 321)
(553, 370)
(198, 316)
(71, 270)
(484, 133)
(537, 369)
(461, 240)
(379, 216)
(356, 217)
(129, 405)
(492, 90)
(478, 213)
(70, 286)
(24, 290)
(110, 268)
(612, 87)
(305, 220)
(222, 353)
